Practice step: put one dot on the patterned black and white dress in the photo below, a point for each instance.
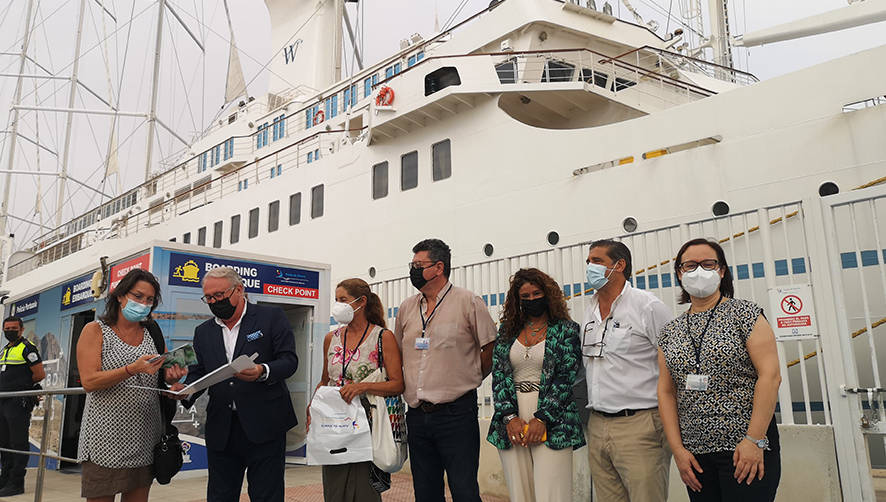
(717, 419)
(121, 425)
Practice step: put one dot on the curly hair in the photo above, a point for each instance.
(512, 317)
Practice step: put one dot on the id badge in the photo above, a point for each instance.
(422, 343)
(697, 382)
(2, 368)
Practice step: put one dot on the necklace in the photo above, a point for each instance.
(534, 339)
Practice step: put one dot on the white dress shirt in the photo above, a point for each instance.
(626, 377)
(229, 336)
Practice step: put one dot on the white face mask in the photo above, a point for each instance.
(343, 313)
(701, 283)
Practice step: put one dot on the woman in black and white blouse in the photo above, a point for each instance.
(718, 384)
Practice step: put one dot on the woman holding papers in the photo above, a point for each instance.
(351, 355)
(121, 424)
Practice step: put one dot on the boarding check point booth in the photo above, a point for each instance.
(55, 312)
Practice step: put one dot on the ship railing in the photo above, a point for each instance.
(765, 247)
(668, 62)
(44, 452)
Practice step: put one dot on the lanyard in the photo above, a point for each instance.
(425, 322)
(697, 347)
(345, 361)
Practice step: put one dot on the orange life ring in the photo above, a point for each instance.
(319, 117)
(385, 97)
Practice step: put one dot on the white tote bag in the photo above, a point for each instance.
(389, 448)
(339, 432)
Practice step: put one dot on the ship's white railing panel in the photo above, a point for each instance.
(661, 61)
(765, 248)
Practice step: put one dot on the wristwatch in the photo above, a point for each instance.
(763, 444)
(510, 417)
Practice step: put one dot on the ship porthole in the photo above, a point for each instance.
(630, 224)
(553, 238)
(828, 188)
(488, 249)
(720, 208)
(372, 272)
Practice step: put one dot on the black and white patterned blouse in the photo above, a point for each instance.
(121, 425)
(716, 419)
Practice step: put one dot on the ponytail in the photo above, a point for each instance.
(375, 312)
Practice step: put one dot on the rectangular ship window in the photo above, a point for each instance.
(294, 209)
(317, 201)
(217, 234)
(409, 171)
(253, 223)
(273, 216)
(380, 180)
(235, 229)
(442, 160)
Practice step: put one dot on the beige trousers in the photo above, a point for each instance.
(536, 473)
(629, 457)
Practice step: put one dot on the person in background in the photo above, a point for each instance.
(121, 425)
(446, 335)
(248, 415)
(351, 355)
(628, 454)
(20, 369)
(535, 361)
(719, 384)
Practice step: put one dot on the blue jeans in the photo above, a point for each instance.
(446, 439)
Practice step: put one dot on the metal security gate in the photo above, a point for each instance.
(802, 242)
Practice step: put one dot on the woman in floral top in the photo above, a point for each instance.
(534, 364)
(351, 355)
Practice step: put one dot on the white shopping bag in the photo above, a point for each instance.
(339, 432)
(389, 450)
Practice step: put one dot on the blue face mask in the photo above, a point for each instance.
(597, 277)
(135, 311)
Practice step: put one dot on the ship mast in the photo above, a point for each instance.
(719, 39)
(152, 114)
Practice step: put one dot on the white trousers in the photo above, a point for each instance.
(536, 473)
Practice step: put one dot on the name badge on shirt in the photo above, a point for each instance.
(254, 336)
(422, 343)
(3, 368)
(698, 382)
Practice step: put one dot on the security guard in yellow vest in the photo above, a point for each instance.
(20, 369)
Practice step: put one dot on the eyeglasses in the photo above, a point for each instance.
(594, 350)
(689, 266)
(214, 297)
(144, 300)
(413, 265)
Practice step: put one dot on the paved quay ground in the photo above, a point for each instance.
(303, 484)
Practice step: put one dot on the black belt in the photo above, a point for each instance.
(621, 413)
(429, 407)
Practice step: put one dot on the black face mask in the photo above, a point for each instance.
(223, 309)
(417, 277)
(11, 334)
(535, 307)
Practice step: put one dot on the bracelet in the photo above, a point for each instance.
(127, 370)
(510, 417)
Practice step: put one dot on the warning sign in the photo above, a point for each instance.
(793, 310)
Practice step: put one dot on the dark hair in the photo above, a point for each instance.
(13, 318)
(512, 318)
(726, 287)
(375, 312)
(112, 305)
(616, 250)
(437, 251)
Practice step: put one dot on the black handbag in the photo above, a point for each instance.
(168, 452)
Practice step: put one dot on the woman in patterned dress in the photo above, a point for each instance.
(121, 425)
(534, 364)
(351, 355)
(718, 384)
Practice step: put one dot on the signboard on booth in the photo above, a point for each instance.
(260, 278)
(77, 292)
(120, 270)
(792, 312)
(26, 307)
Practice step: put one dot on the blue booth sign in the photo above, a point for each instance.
(189, 270)
(77, 292)
(26, 307)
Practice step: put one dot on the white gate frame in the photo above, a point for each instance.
(840, 367)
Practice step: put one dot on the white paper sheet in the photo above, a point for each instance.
(220, 374)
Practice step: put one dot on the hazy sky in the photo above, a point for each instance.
(191, 92)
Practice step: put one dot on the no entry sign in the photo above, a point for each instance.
(792, 311)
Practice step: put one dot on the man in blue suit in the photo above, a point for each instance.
(248, 415)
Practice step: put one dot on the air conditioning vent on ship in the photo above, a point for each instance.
(506, 45)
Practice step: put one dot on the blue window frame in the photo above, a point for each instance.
(798, 265)
(641, 282)
(849, 260)
(332, 106)
(202, 162)
(397, 68)
(229, 148)
(869, 258)
(310, 157)
(419, 56)
(261, 138)
(781, 267)
(665, 280)
(742, 272)
(345, 99)
(317, 154)
(216, 155)
(275, 171)
(309, 118)
(375, 80)
(757, 269)
(242, 185)
(279, 127)
(653, 282)
(367, 87)
(410, 62)
(389, 72)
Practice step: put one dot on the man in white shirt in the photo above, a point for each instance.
(628, 452)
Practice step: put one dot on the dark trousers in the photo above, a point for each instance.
(719, 485)
(446, 439)
(263, 463)
(15, 419)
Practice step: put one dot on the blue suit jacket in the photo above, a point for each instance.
(263, 408)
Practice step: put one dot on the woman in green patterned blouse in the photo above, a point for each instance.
(534, 364)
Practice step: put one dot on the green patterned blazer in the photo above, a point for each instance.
(556, 408)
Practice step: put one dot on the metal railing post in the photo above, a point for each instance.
(44, 444)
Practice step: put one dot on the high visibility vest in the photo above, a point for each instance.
(14, 355)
